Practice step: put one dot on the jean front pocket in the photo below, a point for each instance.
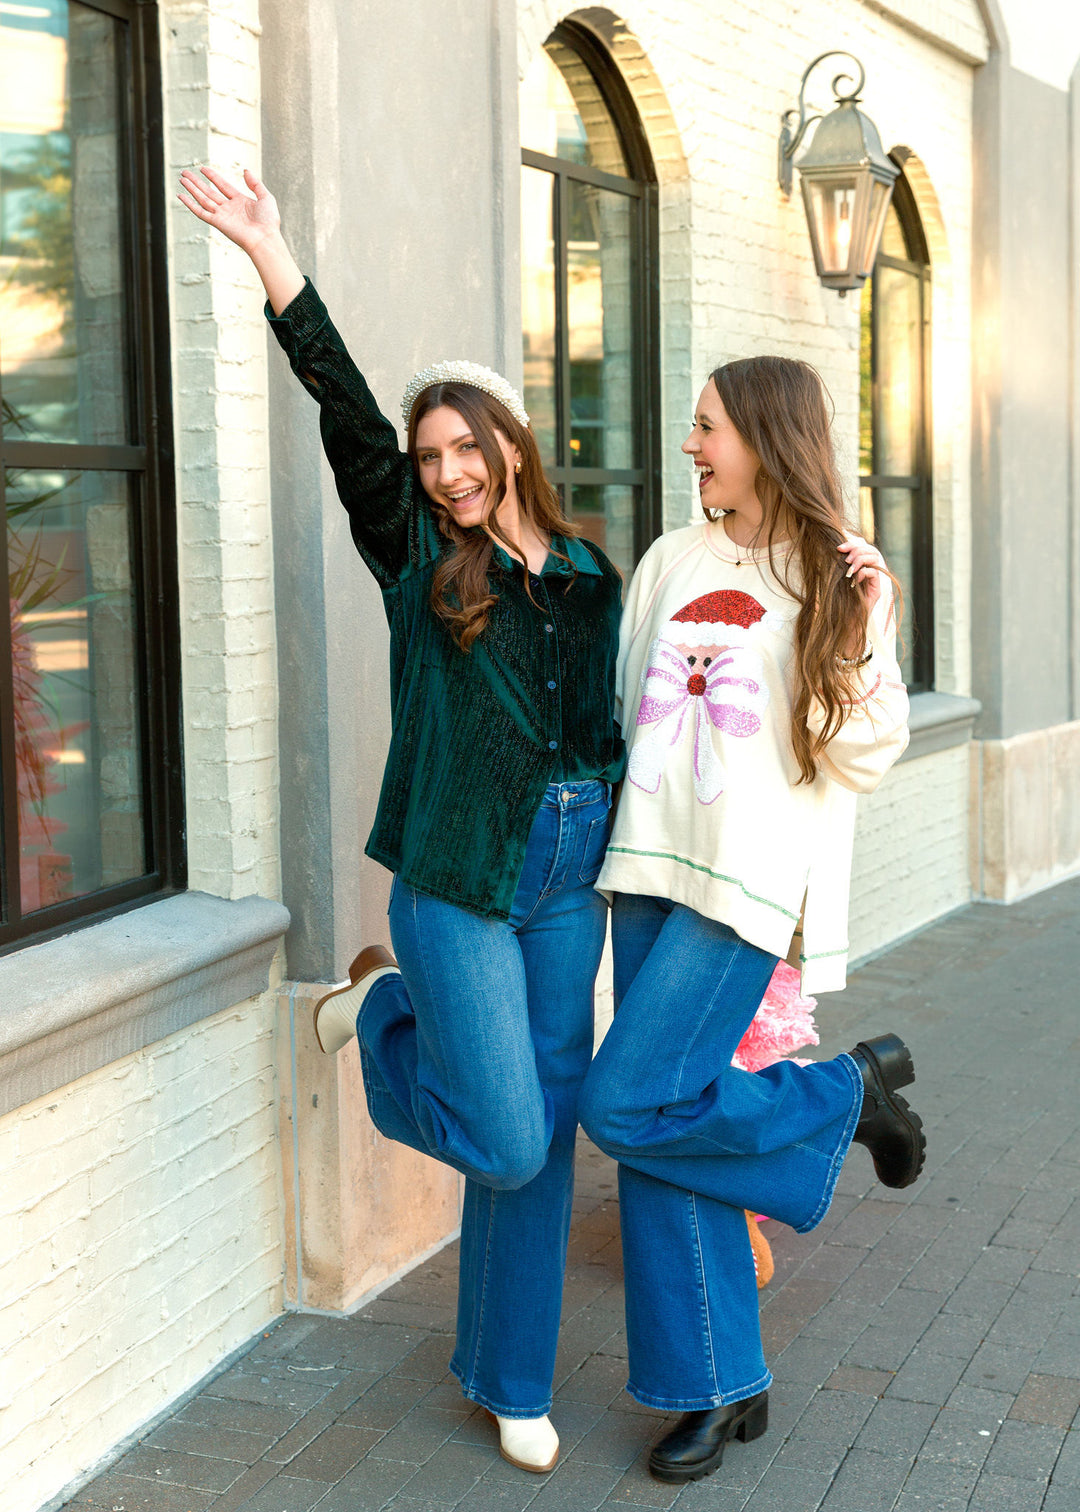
(596, 839)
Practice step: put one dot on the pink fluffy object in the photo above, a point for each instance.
(783, 1024)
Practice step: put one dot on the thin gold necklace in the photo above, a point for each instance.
(739, 561)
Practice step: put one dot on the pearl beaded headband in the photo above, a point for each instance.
(472, 373)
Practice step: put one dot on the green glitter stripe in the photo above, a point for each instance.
(823, 954)
(628, 850)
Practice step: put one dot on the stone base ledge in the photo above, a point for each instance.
(71, 1005)
(1026, 804)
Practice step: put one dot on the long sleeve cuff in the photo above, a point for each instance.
(300, 320)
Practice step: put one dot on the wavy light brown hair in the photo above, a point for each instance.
(780, 408)
(461, 591)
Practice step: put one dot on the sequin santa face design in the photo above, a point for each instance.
(703, 673)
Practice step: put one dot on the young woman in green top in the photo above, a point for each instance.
(493, 814)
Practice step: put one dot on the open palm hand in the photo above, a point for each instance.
(245, 218)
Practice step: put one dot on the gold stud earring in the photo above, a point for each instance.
(517, 467)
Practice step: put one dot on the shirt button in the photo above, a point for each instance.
(535, 582)
(549, 628)
(553, 745)
(552, 686)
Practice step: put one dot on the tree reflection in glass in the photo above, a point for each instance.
(62, 316)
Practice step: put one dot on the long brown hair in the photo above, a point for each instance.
(460, 591)
(779, 408)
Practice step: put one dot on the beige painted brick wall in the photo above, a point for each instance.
(141, 1222)
(719, 79)
(140, 1242)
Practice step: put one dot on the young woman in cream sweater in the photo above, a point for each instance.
(760, 692)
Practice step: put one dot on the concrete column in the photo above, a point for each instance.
(1026, 778)
(390, 143)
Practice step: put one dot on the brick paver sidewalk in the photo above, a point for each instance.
(926, 1344)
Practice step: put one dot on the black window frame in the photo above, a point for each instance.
(641, 187)
(151, 462)
(919, 629)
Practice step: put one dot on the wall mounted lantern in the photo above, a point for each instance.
(847, 181)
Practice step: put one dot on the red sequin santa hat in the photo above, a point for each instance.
(726, 617)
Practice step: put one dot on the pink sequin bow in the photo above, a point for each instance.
(730, 695)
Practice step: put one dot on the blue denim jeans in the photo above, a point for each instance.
(699, 1141)
(475, 1054)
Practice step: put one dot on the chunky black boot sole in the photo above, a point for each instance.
(889, 1128)
(710, 1430)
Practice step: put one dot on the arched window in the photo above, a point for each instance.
(895, 440)
(590, 291)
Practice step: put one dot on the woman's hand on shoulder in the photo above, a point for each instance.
(248, 219)
(864, 566)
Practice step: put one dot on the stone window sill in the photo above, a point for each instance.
(939, 721)
(72, 1005)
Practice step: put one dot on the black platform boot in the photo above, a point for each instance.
(695, 1446)
(889, 1129)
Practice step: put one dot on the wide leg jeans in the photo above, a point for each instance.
(475, 1054)
(699, 1141)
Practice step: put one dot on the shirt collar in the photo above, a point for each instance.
(580, 558)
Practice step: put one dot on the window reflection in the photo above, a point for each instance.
(894, 439)
(563, 113)
(77, 729)
(599, 324)
(61, 160)
(605, 513)
(538, 306)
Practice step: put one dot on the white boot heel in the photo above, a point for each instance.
(528, 1443)
(335, 1013)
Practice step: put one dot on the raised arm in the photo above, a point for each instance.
(374, 477)
(252, 221)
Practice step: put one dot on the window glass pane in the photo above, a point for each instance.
(606, 516)
(893, 241)
(538, 306)
(61, 155)
(866, 378)
(75, 676)
(563, 112)
(600, 328)
(867, 527)
(899, 376)
(894, 521)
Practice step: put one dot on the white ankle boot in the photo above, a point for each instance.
(529, 1443)
(335, 1012)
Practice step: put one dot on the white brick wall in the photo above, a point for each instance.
(911, 850)
(140, 1242)
(211, 61)
(140, 1211)
(716, 81)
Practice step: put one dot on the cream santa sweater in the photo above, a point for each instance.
(711, 813)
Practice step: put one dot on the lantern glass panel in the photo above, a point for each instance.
(880, 195)
(832, 208)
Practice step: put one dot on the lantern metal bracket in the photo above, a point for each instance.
(791, 134)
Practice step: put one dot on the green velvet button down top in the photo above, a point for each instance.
(478, 735)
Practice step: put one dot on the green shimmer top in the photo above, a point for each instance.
(476, 736)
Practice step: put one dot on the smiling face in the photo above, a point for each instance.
(726, 466)
(453, 471)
